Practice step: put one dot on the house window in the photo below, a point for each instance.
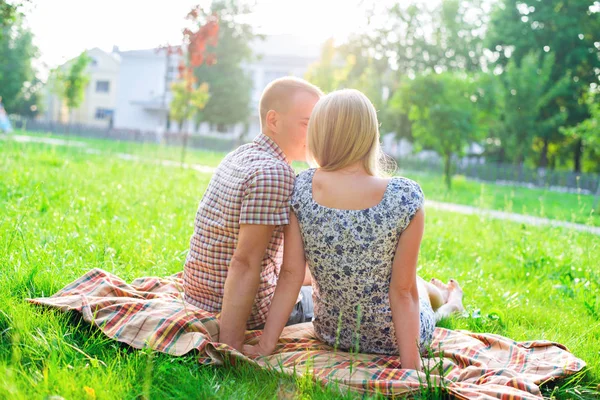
(172, 74)
(102, 86)
(93, 62)
(103, 113)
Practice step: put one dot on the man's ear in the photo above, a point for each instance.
(272, 121)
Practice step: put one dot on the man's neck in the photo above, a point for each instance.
(273, 137)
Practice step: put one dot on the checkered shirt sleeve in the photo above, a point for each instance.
(266, 198)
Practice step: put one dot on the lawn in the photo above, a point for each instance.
(571, 207)
(64, 211)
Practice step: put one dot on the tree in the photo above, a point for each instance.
(16, 70)
(29, 101)
(355, 65)
(588, 131)
(444, 115)
(415, 37)
(328, 73)
(445, 37)
(189, 97)
(9, 13)
(526, 91)
(230, 86)
(187, 101)
(71, 82)
(569, 29)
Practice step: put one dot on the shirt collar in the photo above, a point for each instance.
(270, 146)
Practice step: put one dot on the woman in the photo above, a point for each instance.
(359, 233)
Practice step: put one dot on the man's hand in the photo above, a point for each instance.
(241, 284)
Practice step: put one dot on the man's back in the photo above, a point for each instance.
(252, 185)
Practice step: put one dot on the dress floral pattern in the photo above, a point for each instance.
(350, 254)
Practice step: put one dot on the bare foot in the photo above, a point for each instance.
(455, 295)
(444, 289)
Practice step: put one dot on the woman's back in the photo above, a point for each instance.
(350, 251)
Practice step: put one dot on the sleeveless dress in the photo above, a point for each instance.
(350, 254)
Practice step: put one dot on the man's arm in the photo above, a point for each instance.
(241, 284)
(289, 283)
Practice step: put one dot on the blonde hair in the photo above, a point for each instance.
(278, 94)
(343, 129)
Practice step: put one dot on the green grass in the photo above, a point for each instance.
(572, 207)
(147, 150)
(63, 212)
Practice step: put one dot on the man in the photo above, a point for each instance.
(236, 249)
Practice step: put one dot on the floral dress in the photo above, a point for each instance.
(350, 254)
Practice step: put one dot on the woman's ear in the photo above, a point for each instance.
(272, 120)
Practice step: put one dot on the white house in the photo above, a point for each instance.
(98, 107)
(144, 95)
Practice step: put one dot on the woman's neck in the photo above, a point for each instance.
(356, 168)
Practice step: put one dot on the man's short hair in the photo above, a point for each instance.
(278, 94)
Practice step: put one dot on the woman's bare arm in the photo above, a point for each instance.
(404, 295)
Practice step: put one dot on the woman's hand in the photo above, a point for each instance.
(257, 350)
(412, 364)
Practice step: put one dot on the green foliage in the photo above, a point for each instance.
(71, 82)
(17, 75)
(445, 37)
(30, 102)
(187, 101)
(506, 47)
(589, 129)
(329, 73)
(9, 12)
(527, 91)
(354, 65)
(569, 29)
(230, 86)
(443, 111)
(413, 38)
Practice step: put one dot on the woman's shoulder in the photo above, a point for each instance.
(405, 185)
(406, 192)
(304, 179)
(303, 185)
(306, 174)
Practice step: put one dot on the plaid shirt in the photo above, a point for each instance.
(252, 185)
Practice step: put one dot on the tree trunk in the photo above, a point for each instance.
(502, 155)
(242, 136)
(448, 170)
(597, 201)
(183, 142)
(519, 158)
(69, 125)
(577, 156)
(544, 155)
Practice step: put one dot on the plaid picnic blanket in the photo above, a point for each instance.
(150, 312)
